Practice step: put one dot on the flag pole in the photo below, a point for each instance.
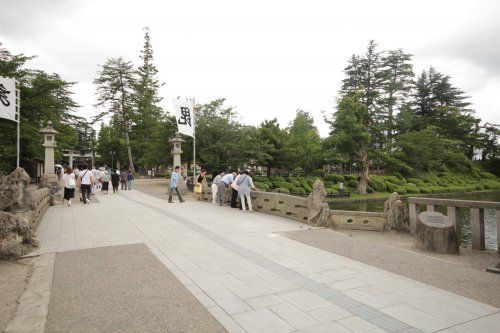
(18, 111)
(194, 143)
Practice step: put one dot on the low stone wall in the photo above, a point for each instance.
(344, 219)
(296, 208)
(41, 200)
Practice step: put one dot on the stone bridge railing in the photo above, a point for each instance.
(297, 208)
(41, 201)
(452, 206)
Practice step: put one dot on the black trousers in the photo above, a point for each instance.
(234, 196)
(85, 189)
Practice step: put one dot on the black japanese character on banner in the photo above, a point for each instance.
(185, 116)
(3, 95)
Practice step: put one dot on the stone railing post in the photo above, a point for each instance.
(477, 228)
(431, 208)
(414, 210)
(497, 218)
(454, 214)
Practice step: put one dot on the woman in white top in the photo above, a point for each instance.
(69, 182)
(245, 184)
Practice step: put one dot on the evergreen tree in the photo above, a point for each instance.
(115, 93)
(398, 76)
(304, 143)
(148, 115)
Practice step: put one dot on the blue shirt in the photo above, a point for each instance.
(174, 180)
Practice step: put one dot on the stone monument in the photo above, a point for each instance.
(393, 208)
(176, 152)
(318, 211)
(49, 178)
(435, 232)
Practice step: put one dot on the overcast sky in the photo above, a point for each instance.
(267, 58)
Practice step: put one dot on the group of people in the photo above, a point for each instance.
(89, 180)
(240, 184)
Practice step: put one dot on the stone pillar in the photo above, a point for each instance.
(454, 214)
(71, 159)
(477, 228)
(413, 211)
(176, 152)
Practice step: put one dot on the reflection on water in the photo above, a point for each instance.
(465, 238)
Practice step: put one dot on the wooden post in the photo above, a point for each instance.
(454, 215)
(497, 217)
(414, 210)
(477, 228)
(431, 208)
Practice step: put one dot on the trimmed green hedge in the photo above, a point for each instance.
(282, 190)
(334, 178)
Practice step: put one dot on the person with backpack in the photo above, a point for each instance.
(69, 182)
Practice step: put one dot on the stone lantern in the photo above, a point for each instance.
(177, 151)
(49, 178)
(49, 135)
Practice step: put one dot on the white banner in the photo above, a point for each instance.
(8, 98)
(184, 115)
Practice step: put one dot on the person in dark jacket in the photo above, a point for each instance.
(130, 178)
(123, 179)
(115, 181)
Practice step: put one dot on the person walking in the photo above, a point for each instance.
(97, 178)
(123, 179)
(225, 181)
(130, 178)
(115, 180)
(174, 184)
(215, 187)
(69, 182)
(105, 181)
(86, 180)
(245, 184)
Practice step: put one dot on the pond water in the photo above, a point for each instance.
(489, 214)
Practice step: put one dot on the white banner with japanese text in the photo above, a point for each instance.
(184, 115)
(8, 98)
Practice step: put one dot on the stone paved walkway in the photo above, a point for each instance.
(252, 280)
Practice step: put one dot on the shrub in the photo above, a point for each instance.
(276, 179)
(457, 188)
(296, 183)
(260, 179)
(306, 185)
(396, 180)
(350, 177)
(487, 175)
(334, 178)
(391, 187)
(369, 189)
(352, 183)
(300, 190)
(479, 186)
(416, 181)
(261, 186)
(491, 184)
(377, 184)
(425, 189)
(269, 184)
(400, 189)
(282, 190)
(412, 189)
(319, 172)
(298, 171)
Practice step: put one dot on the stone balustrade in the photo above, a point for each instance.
(345, 219)
(452, 206)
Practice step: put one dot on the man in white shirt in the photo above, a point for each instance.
(86, 180)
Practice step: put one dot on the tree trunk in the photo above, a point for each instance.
(129, 151)
(365, 174)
